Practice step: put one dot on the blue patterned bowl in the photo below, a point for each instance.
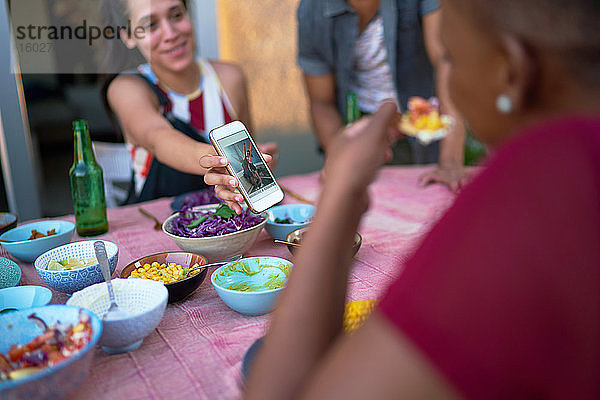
(10, 273)
(75, 279)
(54, 382)
(143, 300)
(29, 250)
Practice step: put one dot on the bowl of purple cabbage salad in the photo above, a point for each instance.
(214, 230)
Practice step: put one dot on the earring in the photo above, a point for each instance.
(504, 104)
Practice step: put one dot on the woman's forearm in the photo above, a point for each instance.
(178, 151)
(309, 315)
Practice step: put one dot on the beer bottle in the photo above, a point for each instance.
(87, 185)
(352, 111)
(474, 150)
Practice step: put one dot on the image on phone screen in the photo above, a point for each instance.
(249, 169)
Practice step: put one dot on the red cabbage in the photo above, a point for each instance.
(200, 198)
(214, 226)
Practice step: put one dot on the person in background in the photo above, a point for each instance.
(168, 105)
(376, 49)
(501, 300)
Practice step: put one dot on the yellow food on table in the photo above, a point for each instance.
(70, 263)
(164, 273)
(356, 313)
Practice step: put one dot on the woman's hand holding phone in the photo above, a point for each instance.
(225, 184)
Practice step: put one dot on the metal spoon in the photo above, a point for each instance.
(113, 311)
(219, 263)
(157, 224)
(286, 242)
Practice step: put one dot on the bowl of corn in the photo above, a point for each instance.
(172, 268)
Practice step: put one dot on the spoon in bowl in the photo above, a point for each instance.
(215, 264)
(113, 312)
(286, 242)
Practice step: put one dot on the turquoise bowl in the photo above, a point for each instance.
(75, 279)
(261, 299)
(27, 296)
(29, 250)
(300, 214)
(10, 273)
(59, 380)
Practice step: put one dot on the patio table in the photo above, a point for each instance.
(197, 349)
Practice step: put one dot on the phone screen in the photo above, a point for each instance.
(248, 166)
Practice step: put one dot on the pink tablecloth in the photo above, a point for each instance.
(197, 349)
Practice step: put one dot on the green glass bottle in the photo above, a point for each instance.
(352, 111)
(87, 185)
(474, 150)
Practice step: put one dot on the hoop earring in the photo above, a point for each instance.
(504, 104)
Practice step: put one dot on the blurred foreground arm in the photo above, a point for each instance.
(305, 354)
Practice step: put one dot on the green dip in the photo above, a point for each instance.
(273, 280)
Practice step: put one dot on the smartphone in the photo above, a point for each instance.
(256, 182)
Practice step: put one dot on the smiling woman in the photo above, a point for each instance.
(167, 106)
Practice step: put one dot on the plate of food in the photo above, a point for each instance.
(424, 121)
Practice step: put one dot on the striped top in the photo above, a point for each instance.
(205, 109)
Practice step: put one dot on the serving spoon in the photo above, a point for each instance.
(286, 242)
(157, 224)
(114, 312)
(218, 263)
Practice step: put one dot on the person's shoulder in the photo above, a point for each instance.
(228, 72)
(310, 10)
(129, 86)
(563, 138)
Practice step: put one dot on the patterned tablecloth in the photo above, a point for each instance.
(198, 347)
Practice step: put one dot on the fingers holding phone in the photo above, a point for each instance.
(225, 184)
(247, 169)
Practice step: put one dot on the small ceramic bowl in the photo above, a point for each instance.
(216, 247)
(29, 250)
(296, 237)
(299, 215)
(10, 273)
(19, 297)
(57, 381)
(180, 289)
(144, 300)
(251, 294)
(7, 221)
(76, 279)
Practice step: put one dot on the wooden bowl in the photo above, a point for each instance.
(296, 237)
(182, 288)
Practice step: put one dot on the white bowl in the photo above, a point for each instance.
(216, 248)
(144, 300)
(76, 279)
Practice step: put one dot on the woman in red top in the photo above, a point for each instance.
(502, 298)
